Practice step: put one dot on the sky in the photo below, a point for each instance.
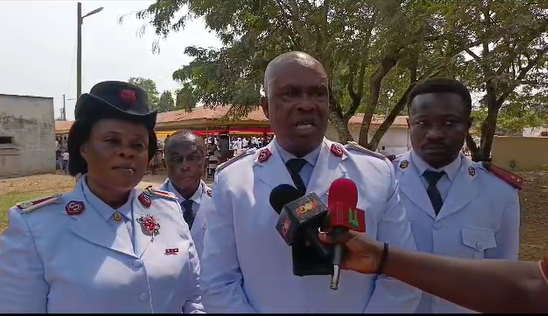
(38, 48)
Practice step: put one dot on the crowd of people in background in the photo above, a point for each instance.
(220, 148)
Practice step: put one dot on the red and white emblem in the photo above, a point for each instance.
(144, 199)
(128, 96)
(336, 150)
(75, 208)
(264, 155)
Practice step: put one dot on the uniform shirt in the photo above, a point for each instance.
(124, 228)
(196, 197)
(201, 199)
(248, 268)
(310, 158)
(480, 216)
(445, 182)
(66, 255)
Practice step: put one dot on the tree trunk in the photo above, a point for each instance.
(337, 119)
(388, 62)
(389, 120)
(341, 126)
(474, 149)
(488, 128)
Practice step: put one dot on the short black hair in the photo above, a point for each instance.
(79, 134)
(442, 85)
(186, 135)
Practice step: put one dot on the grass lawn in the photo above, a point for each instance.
(9, 200)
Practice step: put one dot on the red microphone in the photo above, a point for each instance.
(342, 201)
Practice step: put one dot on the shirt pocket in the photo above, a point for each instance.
(478, 240)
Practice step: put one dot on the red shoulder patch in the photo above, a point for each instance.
(512, 179)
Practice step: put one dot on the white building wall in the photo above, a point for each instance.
(396, 140)
(27, 135)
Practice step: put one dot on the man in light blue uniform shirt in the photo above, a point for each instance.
(457, 207)
(246, 265)
(185, 155)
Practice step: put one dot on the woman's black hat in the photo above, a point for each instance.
(116, 99)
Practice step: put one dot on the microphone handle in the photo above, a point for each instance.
(338, 253)
(311, 235)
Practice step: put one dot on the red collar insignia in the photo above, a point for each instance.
(336, 150)
(144, 199)
(75, 208)
(264, 155)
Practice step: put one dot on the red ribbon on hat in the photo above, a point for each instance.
(128, 96)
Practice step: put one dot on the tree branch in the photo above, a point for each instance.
(473, 55)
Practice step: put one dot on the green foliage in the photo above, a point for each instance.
(374, 52)
(166, 102)
(150, 88)
(185, 98)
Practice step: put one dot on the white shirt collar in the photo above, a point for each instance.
(450, 169)
(196, 197)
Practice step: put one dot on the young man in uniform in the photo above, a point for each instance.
(456, 207)
(246, 265)
(185, 155)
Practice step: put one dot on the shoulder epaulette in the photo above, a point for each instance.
(512, 179)
(29, 206)
(160, 193)
(235, 158)
(358, 147)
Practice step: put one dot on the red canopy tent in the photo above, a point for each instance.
(244, 132)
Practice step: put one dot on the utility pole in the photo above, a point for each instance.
(80, 19)
(79, 52)
(64, 109)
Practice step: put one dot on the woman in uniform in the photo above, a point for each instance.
(105, 247)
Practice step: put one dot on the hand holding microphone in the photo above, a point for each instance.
(361, 254)
(342, 203)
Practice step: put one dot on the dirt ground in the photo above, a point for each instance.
(56, 182)
(534, 215)
(533, 199)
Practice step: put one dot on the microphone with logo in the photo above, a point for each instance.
(344, 215)
(300, 217)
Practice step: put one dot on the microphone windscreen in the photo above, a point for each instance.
(282, 195)
(342, 191)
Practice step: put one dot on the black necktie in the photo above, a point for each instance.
(432, 178)
(295, 166)
(188, 215)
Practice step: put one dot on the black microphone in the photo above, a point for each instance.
(300, 217)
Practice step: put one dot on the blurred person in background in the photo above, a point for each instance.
(185, 157)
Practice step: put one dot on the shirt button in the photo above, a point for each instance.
(437, 226)
(479, 245)
(143, 297)
(138, 263)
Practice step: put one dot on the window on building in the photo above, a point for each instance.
(6, 140)
(8, 146)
